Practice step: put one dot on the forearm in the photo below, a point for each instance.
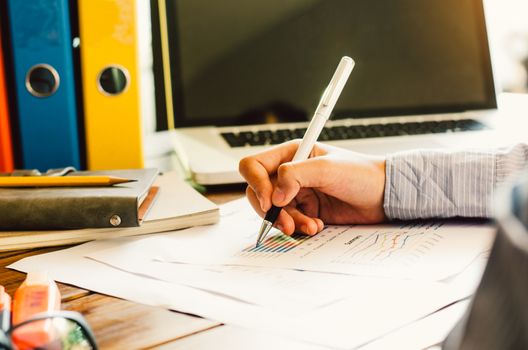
(424, 184)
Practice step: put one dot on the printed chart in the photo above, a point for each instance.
(388, 247)
(431, 250)
(278, 244)
(425, 250)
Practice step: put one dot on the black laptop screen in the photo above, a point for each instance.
(247, 61)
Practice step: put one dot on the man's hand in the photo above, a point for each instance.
(334, 186)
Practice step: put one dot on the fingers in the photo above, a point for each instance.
(290, 219)
(284, 222)
(292, 176)
(303, 224)
(257, 169)
(253, 200)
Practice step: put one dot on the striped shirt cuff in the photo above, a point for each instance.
(425, 184)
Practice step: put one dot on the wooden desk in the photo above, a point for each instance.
(117, 323)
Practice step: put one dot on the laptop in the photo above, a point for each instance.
(249, 74)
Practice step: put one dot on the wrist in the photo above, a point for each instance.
(381, 166)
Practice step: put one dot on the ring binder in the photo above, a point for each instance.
(110, 75)
(44, 83)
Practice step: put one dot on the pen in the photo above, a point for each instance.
(321, 115)
(61, 181)
(5, 310)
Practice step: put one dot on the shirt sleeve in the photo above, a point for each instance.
(425, 184)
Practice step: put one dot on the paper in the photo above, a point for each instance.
(431, 250)
(286, 290)
(427, 332)
(344, 324)
(371, 312)
(283, 290)
(419, 335)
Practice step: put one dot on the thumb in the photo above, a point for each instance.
(293, 176)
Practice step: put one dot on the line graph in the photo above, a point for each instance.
(403, 246)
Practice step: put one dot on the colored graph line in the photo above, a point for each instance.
(278, 244)
(394, 247)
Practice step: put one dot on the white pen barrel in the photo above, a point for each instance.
(310, 138)
(325, 107)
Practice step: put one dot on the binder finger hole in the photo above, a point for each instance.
(113, 80)
(42, 80)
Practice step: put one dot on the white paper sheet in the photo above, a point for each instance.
(427, 332)
(417, 336)
(287, 291)
(432, 250)
(344, 324)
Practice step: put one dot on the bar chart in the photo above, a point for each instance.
(279, 243)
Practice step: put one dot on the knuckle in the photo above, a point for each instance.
(249, 191)
(296, 141)
(244, 165)
(286, 170)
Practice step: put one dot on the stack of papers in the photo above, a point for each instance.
(347, 287)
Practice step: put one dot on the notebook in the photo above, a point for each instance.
(176, 206)
(44, 208)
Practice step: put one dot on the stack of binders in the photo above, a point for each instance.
(74, 97)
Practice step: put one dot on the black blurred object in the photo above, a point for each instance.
(498, 316)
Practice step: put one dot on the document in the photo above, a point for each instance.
(283, 290)
(421, 334)
(361, 310)
(345, 324)
(287, 291)
(421, 250)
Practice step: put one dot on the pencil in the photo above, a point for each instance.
(61, 181)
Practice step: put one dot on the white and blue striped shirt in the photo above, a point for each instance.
(425, 184)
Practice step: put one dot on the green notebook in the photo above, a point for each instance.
(77, 207)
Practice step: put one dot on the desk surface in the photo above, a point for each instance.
(120, 324)
(117, 323)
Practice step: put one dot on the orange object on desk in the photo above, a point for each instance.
(35, 295)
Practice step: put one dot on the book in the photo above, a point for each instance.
(44, 83)
(40, 208)
(110, 76)
(176, 206)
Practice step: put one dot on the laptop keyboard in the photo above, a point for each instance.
(351, 132)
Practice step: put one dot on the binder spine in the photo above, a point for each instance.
(44, 83)
(6, 151)
(110, 73)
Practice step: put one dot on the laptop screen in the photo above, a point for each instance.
(248, 61)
